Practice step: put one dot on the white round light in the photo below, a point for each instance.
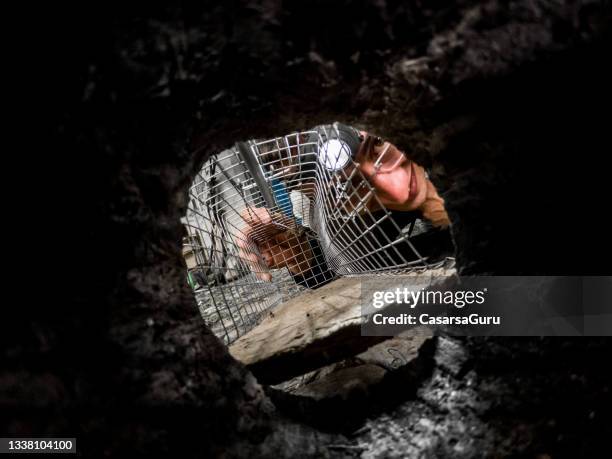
(334, 154)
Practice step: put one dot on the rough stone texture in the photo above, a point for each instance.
(340, 397)
(391, 354)
(317, 327)
(305, 333)
(343, 382)
(514, 397)
(504, 100)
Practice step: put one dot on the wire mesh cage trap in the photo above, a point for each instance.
(268, 219)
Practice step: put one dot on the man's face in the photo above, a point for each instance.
(399, 182)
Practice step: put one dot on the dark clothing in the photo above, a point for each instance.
(319, 273)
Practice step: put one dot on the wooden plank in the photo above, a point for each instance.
(318, 327)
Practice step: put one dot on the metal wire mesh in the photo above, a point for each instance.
(274, 203)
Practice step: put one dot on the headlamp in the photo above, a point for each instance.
(335, 154)
(339, 145)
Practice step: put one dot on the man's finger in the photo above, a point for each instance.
(247, 252)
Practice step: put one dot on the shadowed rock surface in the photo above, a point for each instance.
(503, 100)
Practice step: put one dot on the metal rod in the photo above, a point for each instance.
(250, 160)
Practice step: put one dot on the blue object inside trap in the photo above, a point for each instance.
(282, 198)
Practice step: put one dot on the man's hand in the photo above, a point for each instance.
(270, 241)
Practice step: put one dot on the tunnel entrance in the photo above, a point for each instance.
(280, 229)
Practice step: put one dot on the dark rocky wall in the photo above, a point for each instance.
(506, 101)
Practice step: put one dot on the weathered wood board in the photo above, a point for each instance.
(312, 330)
